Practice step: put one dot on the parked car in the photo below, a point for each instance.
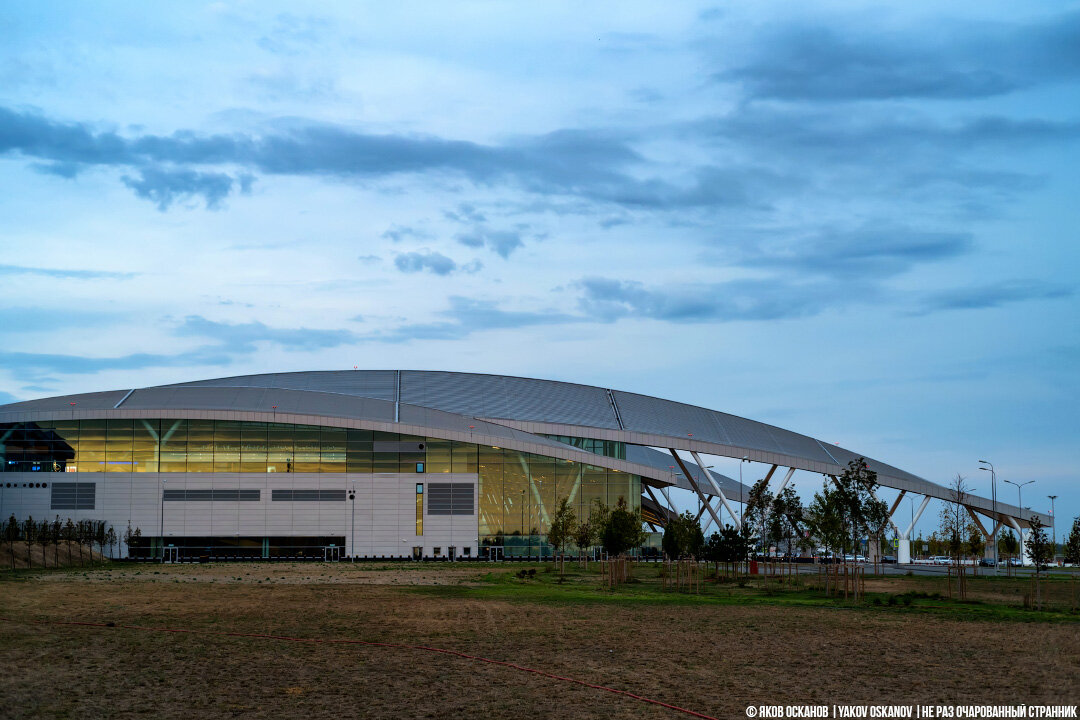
(888, 559)
(940, 560)
(986, 562)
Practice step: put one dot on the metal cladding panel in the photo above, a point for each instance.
(259, 400)
(791, 443)
(663, 461)
(440, 420)
(375, 384)
(83, 401)
(641, 413)
(844, 456)
(495, 396)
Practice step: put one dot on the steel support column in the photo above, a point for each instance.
(988, 550)
(903, 554)
(787, 479)
(693, 484)
(720, 493)
(1019, 531)
(656, 500)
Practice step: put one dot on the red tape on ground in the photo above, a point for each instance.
(344, 641)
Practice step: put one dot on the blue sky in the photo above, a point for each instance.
(851, 220)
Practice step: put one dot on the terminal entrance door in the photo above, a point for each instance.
(171, 554)
(495, 553)
(331, 553)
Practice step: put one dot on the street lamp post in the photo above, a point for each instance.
(742, 507)
(352, 530)
(162, 540)
(1020, 504)
(1054, 528)
(995, 520)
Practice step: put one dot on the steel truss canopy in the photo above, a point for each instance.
(499, 410)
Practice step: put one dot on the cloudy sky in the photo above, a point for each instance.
(855, 221)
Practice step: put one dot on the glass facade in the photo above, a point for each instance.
(218, 446)
(518, 491)
(607, 448)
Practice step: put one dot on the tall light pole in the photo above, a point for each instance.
(352, 530)
(1020, 504)
(1054, 528)
(163, 481)
(995, 520)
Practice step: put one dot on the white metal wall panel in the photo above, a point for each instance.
(376, 384)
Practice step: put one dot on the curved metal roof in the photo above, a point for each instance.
(451, 401)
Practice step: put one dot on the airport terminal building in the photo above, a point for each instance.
(387, 463)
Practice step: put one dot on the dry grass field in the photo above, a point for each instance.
(713, 652)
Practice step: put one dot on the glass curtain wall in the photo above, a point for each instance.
(519, 492)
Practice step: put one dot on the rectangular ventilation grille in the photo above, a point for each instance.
(219, 495)
(450, 498)
(73, 496)
(308, 495)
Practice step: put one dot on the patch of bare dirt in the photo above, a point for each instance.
(715, 659)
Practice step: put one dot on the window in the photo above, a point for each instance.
(308, 449)
(253, 447)
(118, 439)
(419, 509)
(436, 552)
(467, 552)
(279, 448)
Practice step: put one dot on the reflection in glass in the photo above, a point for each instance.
(174, 446)
(279, 448)
(253, 447)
